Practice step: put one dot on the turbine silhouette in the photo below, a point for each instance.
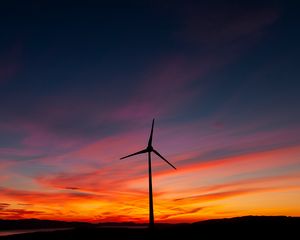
(148, 150)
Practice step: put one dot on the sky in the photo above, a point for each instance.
(81, 83)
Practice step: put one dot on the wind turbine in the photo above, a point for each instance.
(149, 149)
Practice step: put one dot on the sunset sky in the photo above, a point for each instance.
(80, 84)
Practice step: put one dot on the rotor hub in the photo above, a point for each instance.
(149, 148)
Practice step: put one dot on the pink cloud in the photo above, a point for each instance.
(91, 164)
(38, 137)
(228, 166)
(234, 193)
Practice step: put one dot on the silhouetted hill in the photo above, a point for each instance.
(36, 223)
(233, 228)
(117, 224)
(245, 220)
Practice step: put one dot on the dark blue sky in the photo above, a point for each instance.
(90, 70)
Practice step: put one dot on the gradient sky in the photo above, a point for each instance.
(80, 84)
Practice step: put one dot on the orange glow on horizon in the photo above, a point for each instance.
(215, 189)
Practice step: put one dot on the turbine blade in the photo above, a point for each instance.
(158, 154)
(133, 154)
(151, 134)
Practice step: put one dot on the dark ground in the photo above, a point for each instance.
(235, 228)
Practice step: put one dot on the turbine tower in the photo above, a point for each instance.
(149, 149)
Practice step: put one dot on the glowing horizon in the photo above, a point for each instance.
(214, 188)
